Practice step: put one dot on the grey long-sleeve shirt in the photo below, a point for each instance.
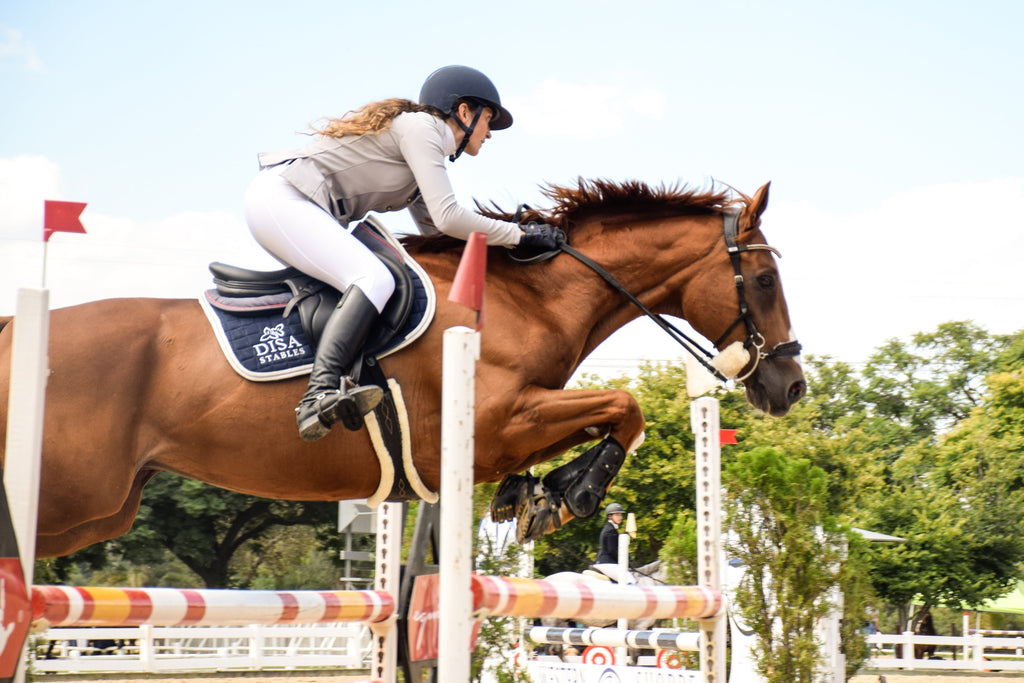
(401, 167)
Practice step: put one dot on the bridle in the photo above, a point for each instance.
(730, 229)
(754, 343)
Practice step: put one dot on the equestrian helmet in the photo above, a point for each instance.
(614, 508)
(449, 84)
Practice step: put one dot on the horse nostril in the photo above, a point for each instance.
(797, 391)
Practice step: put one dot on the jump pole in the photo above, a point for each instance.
(24, 450)
(461, 351)
(653, 639)
(62, 606)
(704, 420)
(458, 397)
(25, 419)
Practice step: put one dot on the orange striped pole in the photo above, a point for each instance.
(100, 606)
(516, 597)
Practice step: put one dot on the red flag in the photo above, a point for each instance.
(61, 217)
(726, 436)
(468, 285)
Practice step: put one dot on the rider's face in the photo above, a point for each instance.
(482, 130)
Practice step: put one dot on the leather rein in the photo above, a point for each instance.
(755, 340)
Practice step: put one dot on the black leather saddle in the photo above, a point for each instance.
(316, 300)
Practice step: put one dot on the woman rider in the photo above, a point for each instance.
(386, 156)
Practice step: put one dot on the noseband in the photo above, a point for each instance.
(755, 340)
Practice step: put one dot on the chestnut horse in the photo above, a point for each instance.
(138, 386)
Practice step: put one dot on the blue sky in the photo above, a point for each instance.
(891, 132)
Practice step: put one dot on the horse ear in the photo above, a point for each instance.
(756, 207)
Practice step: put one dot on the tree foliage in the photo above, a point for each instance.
(791, 549)
(205, 529)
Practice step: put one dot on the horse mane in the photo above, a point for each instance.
(573, 204)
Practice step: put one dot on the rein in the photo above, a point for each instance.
(730, 228)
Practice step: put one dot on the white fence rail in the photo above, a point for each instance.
(202, 648)
(972, 652)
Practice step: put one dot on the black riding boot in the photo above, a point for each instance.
(331, 394)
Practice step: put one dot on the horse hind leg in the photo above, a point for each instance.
(96, 530)
(552, 421)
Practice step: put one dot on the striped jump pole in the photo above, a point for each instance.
(98, 606)
(517, 597)
(617, 637)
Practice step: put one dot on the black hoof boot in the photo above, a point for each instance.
(583, 496)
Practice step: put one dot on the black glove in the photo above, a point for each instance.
(541, 237)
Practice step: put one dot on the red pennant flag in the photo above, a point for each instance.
(468, 285)
(726, 436)
(61, 217)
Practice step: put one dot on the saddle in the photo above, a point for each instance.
(268, 324)
(608, 572)
(315, 300)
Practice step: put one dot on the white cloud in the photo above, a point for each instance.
(25, 181)
(586, 110)
(14, 47)
(920, 258)
(116, 257)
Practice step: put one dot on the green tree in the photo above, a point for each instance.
(927, 386)
(950, 468)
(792, 550)
(204, 528)
(656, 482)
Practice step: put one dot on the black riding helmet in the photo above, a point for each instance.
(451, 84)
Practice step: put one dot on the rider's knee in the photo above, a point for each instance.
(377, 284)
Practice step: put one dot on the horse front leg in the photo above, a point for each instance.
(549, 422)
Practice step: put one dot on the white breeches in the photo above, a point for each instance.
(299, 233)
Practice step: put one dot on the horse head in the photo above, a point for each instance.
(696, 255)
(736, 299)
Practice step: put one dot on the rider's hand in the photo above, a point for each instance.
(541, 237)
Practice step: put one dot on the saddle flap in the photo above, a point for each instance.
(396, 313)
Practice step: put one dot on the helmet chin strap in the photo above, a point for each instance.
(468, 130)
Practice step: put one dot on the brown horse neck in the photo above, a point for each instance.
(654, 260)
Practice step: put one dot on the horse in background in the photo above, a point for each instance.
(650, 574)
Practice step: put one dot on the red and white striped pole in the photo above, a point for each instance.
(103, 606)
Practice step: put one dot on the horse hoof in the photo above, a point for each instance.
(537, 523)
(537, 514)
(512, 489)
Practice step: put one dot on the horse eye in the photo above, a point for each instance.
(766, 281)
